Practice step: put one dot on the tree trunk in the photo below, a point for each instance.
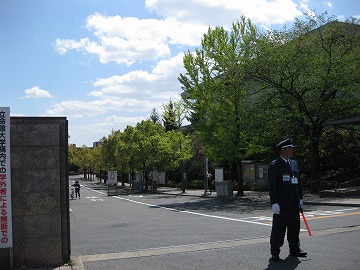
(240, 179)
(315, 159)
(146, 181)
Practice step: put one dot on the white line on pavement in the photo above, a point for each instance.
(186, 212)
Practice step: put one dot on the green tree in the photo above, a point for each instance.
(97, 161)
(180, 114)
(144, 148)
(169, 117)
(311, 76)
(154, 116)
(85, 160)
(72, 159)
(126, 148)
(109, 150)
(218, 92)
(148, 149)
(152, 148)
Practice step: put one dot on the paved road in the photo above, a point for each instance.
(159, 231)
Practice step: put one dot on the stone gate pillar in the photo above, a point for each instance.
(40, 191)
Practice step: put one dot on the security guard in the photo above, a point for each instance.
(286, 198)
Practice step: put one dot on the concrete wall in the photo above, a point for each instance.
(40, 191)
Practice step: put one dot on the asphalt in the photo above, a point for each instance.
(253, 196)
(263, 196)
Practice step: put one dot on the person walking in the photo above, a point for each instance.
(77, 189)
(209, 178)
(286, 200)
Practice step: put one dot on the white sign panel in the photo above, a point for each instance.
(219, 174)
(112, 177)
(261, 173)
(5, 180)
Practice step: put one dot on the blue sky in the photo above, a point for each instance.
(104, 64)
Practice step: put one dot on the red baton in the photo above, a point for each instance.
(306, 224)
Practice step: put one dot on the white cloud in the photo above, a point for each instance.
(75, 109)
(156, 85)
(120, 122)
(121, 100)
(36, 92)
(81, 109)
(126, 40)
(62, 46)
(127, 98)
(95, 130)
(223, 12)
(305, 7)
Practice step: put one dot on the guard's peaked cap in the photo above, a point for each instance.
(285, 143)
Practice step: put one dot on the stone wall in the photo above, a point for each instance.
(40, 191)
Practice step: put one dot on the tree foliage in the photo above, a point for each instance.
(310, 73)
(154, 116)
(144, 148)
(219, 91)
(169, 117)
(246, 89)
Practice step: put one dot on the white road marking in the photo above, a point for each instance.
(328, 213)
(94, 199)
(186, 212)
(261, 220)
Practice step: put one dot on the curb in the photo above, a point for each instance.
(78, 265)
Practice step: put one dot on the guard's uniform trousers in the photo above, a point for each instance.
(285, 189)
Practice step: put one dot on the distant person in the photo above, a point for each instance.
(209, 178)
(286, 199)
(77, 189)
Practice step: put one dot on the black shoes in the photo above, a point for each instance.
(298, 253)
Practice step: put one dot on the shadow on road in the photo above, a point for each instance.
(289, 263)
(218, 204)
(230, 205)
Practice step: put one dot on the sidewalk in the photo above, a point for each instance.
(262, 196)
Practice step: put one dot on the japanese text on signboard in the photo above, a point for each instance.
(5, 186)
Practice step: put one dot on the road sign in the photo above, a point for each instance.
(112, 177)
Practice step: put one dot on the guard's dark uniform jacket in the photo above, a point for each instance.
(285, 189)
(284, 183)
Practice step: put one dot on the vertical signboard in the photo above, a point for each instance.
(252, 171)
(219, 174)
(5, 180)
(112, 177)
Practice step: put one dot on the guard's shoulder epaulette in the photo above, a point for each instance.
(274, 161)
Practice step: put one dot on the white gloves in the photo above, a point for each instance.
(275, 208)
(301, 203)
